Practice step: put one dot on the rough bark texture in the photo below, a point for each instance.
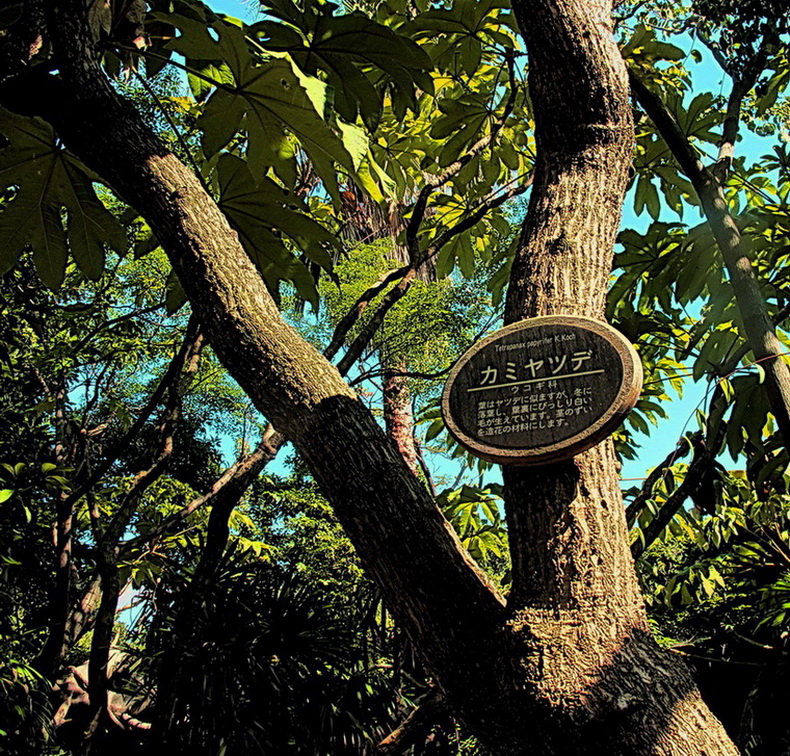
(575, 601)
(398, 414)
(570, 667)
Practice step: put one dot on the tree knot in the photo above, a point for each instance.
(559, 246)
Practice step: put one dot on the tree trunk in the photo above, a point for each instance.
(367, 223)
(575, 602)
(569, 667)
(398, 414)
(398, 411)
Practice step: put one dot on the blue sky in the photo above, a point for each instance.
(245, 10)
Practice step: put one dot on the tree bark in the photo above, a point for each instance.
(398, 411)
(569, 667)
(398, 414)
(575, 602)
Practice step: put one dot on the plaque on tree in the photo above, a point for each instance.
(541, 390)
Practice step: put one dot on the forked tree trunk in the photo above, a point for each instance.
(569, 666)
(366, 223)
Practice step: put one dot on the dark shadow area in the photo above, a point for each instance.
(637, 700)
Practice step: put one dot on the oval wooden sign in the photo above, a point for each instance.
(541, 390)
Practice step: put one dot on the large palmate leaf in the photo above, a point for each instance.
(48, 185)
(476, 514)
(461, 36)
(269, 97)
(354, 53)
(264, 215)
(459, 125)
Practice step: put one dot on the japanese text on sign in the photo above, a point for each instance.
(531, 412)
(536, 370)
(541, 389)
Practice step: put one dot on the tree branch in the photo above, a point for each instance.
(681, 450)
(188, 358)
(229, 486)
(416, 727)
(705, 451)
(122, 444)
(697, 471)
(760, 330)
(350, 319)
(105, 325)
(478, 212)
(370, 374)
(634, 509)
(395, 526)
(741, 86)
(715, 51)
(365, 336)
(83, 615)
(452, 170)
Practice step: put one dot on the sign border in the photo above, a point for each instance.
(624, 401)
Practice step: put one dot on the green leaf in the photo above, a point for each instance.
(274, 95)
(175, 298)
(461, 122)
(263, 214)
(271, 97)
(47, 237)
(90, 226)
(220, 121)
(355, 55)
(279, 96)
(646, 195)
(434, 429)
(355, 141)
(48, 181)
(727, 389)
(194, 40)
(638, 422)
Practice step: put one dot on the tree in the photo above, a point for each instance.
(562, 666)
(97, 365)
